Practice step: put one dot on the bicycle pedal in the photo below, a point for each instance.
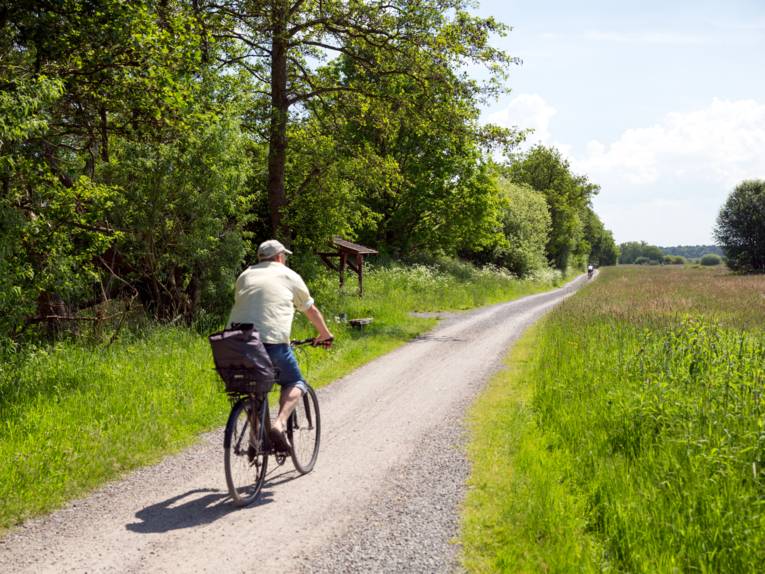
(280, 458)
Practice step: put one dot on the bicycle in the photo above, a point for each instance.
(247, 445)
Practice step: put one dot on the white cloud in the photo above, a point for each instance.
(721, 143)
(662, 183)
(527, 111)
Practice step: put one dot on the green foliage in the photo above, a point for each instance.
(673, 260)
(325, 188)
(142, 149)
(603, 249)
(691, 251)
(631, 251)
(181, 206)
(139, 152)
(568, 199)
(710, 259)
(526, 224)
(385, 81)
(114, 162)
(740, 229)
(418, 146)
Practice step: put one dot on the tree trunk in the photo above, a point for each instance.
(277, 144)
(104, 135)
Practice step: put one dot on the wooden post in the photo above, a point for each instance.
(360, 268)
(343, 259)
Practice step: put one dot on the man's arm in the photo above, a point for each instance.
(317, 320)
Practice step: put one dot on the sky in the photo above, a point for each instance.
(662, 104)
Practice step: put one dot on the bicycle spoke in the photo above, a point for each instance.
(245, 458)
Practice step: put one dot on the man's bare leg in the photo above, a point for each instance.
(287, 402)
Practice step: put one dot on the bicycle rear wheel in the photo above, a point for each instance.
(245, 455)
(304, 432)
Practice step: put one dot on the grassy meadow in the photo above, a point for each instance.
(628, 432)
(78, 413)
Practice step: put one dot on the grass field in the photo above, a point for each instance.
(77, 414)
(628, 434)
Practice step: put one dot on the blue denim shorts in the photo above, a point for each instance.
(284, 359)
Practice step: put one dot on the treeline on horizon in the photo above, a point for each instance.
(147, 147)
(642, 252)
(692, 251)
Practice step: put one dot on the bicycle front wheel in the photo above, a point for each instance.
(304, 432)
(245, 455)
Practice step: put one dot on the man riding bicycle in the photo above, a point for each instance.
(266, 295)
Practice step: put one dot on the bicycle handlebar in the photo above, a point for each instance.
(312, 341)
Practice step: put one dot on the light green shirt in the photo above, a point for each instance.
(267, 295)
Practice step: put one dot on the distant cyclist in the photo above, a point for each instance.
(590, 271)
(266, 295)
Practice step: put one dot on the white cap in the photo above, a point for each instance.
(271, 248)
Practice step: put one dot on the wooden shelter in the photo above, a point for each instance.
(347, 254)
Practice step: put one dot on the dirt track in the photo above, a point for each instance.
(175, 516)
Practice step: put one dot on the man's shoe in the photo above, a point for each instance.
(279, 440)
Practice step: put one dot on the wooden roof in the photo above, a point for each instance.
(352, 248)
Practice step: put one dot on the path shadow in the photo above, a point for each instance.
(279, 476)
(192, 508)
(201, 506)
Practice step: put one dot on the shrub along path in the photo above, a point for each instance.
(381, 419)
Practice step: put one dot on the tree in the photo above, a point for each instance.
(673, 260)
(526, 225)
(710, 260)
(632, 250)
(435, 191)
(691, 251)
(568, 195)
(740, 229)
(603, 250)
(301, 52)
(114, 135)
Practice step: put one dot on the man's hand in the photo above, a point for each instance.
(325, 338)
(325, 342)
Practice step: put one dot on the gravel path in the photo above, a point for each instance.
(384, 496)
(412, 522)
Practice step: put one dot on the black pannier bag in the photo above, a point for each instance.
(242, 361)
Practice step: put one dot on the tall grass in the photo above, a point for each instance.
(76, 414)
(648, 390)
(73, 417)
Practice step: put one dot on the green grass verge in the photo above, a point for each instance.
(631, 437)
(75, 415)
(520, 514)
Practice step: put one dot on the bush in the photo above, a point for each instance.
(710, 260)
(632, 250)
(526, 225)
(642, 260)
(740, 227)
(673, 260)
